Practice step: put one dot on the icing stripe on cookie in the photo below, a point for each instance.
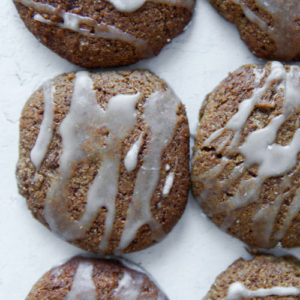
(131, 158)
(44, 137)
(161, 129)
(132, 5)
(128, 287)
(83, 286)
(238, 290)
(168, 184)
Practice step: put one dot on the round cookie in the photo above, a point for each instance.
(270, 28)
(86, 278)
(263, 277)
(105, 33)
(246, 161)
(104, 159)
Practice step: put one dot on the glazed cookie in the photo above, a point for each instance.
(264, 277)
(104, 159)
(246, 161)
(270, 28)
(105, 33)
(91, 279)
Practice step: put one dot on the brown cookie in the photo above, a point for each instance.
(246, 162)
(270, 28)
(105, 33)
(264, 277)
(104, 159)
(86, 278)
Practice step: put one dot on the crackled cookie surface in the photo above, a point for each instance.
(246, 162)
(104, 159)
(271, 28)
(105, 33)
(91, 279)
(264, 277)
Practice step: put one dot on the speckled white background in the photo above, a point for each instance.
(186, 263)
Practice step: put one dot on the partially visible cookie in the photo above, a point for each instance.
(246, 161)
(91, 279)
(270, 28)
(105, 33)
(104, 159)
(264, 277)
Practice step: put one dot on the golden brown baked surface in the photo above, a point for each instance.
(246, 161)
(271, 28)
(95, 34)
(94, 279)
(262, 272)
(83, 187)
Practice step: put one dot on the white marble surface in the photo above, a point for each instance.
(186, 263)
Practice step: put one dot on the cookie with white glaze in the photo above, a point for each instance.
(270, 28)
(263, 277)
(246, 161)
(105, 33)
(91, 279)
(104, 159)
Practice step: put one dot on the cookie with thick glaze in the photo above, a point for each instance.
(104, 159)
(264, 277)
(270, 28)
(246, 161)
(87, 278)
(105, 33)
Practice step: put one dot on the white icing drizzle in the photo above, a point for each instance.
(139, 269)
(132, 5)
(90, 132)
(260, 149)
(44, 137)
(265, 218)
(74, 21)
(131, 158)
(40, 18)
(285, 30)
(168, 184)
(274, 159)
(129, 287)
(83, 287)
(78, 130)
(120, 120)
(160, 114)
(238, 290)
(293, 210)
(237, 122)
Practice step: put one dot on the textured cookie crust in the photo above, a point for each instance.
(271, 28)
(63, 200)
(246, 161)
(262, 272)
(103, 36)
(94, 279)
